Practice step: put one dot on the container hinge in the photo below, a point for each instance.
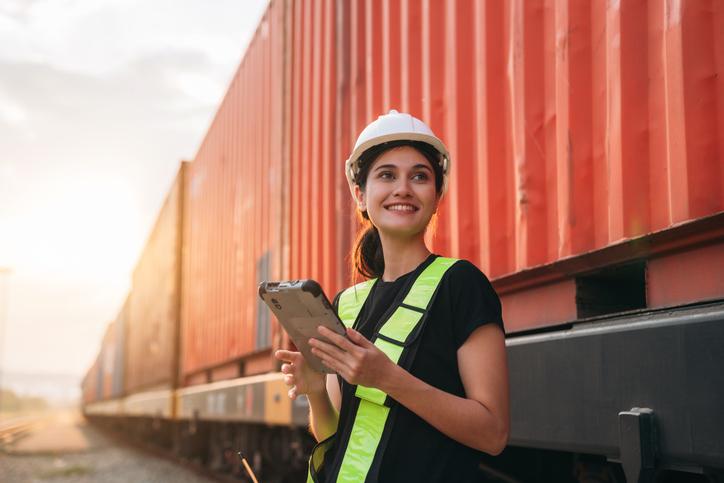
(638, 444)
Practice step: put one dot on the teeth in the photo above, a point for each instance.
(401, 208)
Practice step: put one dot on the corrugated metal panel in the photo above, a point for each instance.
(572, 126)
(320, 206)
(111, 357)
(153, 314)
(119, 328)
(98, 383)
(107, 357)
(234, 207)
(263, 315)
(89, 385)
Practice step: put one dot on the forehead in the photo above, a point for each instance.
(401, 157)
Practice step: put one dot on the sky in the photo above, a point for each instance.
(99, 102)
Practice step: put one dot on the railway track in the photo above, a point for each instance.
(15, 428)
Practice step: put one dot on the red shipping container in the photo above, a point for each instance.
(234, 234)
(573, 127)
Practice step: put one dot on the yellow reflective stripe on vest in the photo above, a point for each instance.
(351, 301)
(371, 416)
(403, 321)
(317, 458)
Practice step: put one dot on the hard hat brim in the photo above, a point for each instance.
(351, 163)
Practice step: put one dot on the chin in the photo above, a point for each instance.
(400, 231)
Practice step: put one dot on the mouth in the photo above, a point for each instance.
(401, 207)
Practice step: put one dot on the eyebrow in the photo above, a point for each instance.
(388, 166)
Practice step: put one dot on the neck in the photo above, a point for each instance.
(402, 255)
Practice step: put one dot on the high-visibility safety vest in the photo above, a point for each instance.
(395, 338)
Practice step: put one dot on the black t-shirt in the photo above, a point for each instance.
(415, 450)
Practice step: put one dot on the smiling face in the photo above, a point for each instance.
(400, 194)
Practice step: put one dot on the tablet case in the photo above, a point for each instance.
(301, 306)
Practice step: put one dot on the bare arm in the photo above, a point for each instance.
(323, 416)
(322, 392)
(479, 420)
(333, 390)
(324, 410)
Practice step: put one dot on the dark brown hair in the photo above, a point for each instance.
(367, 257)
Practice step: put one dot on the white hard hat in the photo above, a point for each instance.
(395, 126)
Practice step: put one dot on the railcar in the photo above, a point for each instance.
(587, 183)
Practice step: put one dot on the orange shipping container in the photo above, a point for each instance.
(89, 385)
(235, 236)
(574, 128)
(153, 314)
(112, 354)
(108, 357)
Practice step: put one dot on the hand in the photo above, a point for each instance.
(298, 376)
(356, 359)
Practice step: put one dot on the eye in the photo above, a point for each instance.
(420, 176)
(385, 174)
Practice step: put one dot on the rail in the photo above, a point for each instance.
(13, 429)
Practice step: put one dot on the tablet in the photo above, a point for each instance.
(301, 306)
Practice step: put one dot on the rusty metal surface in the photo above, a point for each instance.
(153, 315)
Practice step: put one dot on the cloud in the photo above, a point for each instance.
(144, 104)
(99, 100)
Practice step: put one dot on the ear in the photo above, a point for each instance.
(360, 197)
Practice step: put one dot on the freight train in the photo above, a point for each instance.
(588, 184)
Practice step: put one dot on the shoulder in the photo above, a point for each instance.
(464, 271)
(465, 282)
(470, 298)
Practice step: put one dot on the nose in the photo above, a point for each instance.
(402, 187)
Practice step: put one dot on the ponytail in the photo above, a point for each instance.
(367, 257)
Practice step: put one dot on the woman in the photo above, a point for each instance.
(422, 386)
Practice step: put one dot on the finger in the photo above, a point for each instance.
(358, 338)
(292, 393)
(333, 364)
(328, 348)
(287, 356)
(338, 366)
(287, 369)
(337, 339)
(289, 380)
